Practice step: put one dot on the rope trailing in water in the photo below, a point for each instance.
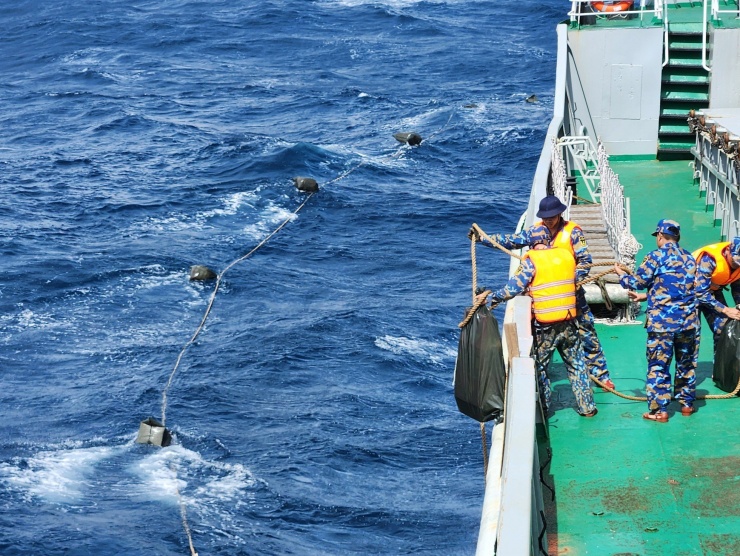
(485, 450)
(183, 514)
(212, 299)
(395, 154)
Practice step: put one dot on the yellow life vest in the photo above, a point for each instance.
(562, 239)
(553, 289)
(723, 274)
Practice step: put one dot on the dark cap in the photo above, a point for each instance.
(669, 227)
(550, 206)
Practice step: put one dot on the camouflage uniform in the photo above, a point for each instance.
(562, 336)
(712, 302)
(672, 323)
(595, 360)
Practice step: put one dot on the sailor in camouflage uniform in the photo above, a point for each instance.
(549, 274)
(672, 321)
(718, 266)
(566, 234)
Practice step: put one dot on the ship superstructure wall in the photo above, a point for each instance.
(614, 86)
(724, 60)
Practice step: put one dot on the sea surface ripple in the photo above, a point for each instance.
(314, 413)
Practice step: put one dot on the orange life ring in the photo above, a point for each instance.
(622, 6)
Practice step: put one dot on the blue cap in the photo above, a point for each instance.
(540, 234)
(550, 206)
(669, 227)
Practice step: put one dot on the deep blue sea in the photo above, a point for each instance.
(314, 413)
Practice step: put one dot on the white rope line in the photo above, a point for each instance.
(183, 514)
(212, 298)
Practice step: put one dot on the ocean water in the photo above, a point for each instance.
(314, 412)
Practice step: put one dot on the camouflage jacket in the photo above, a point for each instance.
(704, 295)
(517, 284)
(577, 239)
(668, 274)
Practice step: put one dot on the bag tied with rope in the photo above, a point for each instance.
(480, 374)
(726, 372)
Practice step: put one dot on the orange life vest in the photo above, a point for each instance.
(723, 274)
(553, 289)
(562, 239)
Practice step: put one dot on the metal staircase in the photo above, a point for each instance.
(685, 86)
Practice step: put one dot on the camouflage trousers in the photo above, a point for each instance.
(660, 349)
(595, 360)
(563, 336)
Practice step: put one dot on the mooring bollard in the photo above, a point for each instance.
(153, 432)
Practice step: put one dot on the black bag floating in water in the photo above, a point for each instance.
(479, 372)
(727, 359)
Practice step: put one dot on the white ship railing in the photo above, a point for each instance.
(616, 211)
(583, 154)
(704, 38)
(718, 175)
(511, 520)
(576, 12)
(716, 11)
(559, 179)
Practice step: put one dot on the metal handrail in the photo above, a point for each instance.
(665, 39)
(716, 11)
(704, 39)
(575, 14)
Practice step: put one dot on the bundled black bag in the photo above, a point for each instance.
(727, 357)
(479, 371)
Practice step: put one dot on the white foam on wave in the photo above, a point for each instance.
(434, 352)
(270, 218)
(59, 475)
(176, 222)
(176, 473)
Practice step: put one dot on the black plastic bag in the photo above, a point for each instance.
(480, 374)
(727, 357)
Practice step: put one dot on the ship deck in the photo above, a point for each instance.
(624, 485)
(681, 16)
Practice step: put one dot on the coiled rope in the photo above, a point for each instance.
(480, 299)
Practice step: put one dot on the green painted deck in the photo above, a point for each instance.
(626, 486)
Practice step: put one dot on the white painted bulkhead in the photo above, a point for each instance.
(724, 60)
(619, 99)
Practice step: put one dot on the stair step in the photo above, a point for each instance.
(674, 129)
(684, 44)
(586, 211)
(686, 79)
(685, 28)
(675, 145)
(674, 113)
(685, 96)
(683, 62)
